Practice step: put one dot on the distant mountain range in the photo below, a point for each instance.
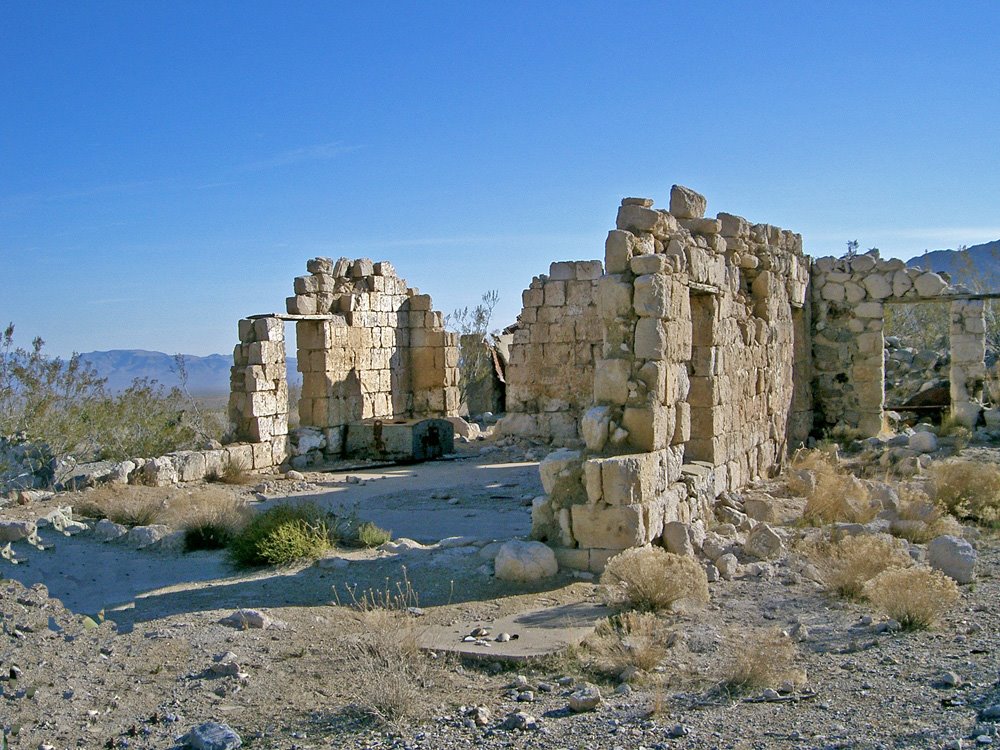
(978, 266)
(206, 376)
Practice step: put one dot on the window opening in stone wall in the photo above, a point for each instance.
(702, 369)
(917, 361)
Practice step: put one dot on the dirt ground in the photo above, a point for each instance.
(163, 661)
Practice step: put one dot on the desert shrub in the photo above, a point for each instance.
(650, 578)
(914, 597)
(847, 565)
(388, 671)
(629, 639)
(370, 535)
(919, 519)
(968, 489)
(213, 521)
(282, 534)
(127, 505)
(65, 405)
(235, 470)
(951, 427)
(832, 494)
(475, 362)
(758, 659)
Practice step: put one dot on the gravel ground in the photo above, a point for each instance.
(81, 683)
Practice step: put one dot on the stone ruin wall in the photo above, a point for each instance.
(849, 298)
(550, 375)
(368, 347)
(703, 378)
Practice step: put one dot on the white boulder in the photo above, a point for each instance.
(525, 561)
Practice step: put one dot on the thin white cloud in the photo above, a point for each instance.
(318, 152)
(472, 239)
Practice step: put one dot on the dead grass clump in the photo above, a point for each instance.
(915, 597)
(650, 578)
(759, 659)
(212, 519)
(968, 489)
(629, 639)
(919, 519)
(951, 427)
(388, 672)
(130, 505)
(235, 470)
(847, 565)
(832, 494)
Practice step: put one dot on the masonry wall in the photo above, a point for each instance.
(368, 347)
(550, 375)
(700, 382)
(258, 399)
(849, 297)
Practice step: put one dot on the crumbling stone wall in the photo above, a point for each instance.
(550, 375)
(258, 399)
(848, 324)
(697, 388)
(968, 359)
(369, 347)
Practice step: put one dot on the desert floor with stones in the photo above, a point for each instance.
(156, 668)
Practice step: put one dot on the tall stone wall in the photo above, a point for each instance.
(368, 347)
(697, 388)
(550, 375)
(849, 297)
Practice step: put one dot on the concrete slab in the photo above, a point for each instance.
(534, 633)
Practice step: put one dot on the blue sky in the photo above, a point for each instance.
(166, 168)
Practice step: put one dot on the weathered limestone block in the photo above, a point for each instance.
(646, 264)
(160, 472)
(686, 203)
(650, 427)
(652, 295)
(614, 297)
(559, 468)
(833, 292)
(594, 428)
(929, 284)
(555, 293)
(635, 478)
(878, 286)
(611, 378)
(190, 465)
(650, 339)
(604, 526)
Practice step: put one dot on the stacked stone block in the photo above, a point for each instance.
(258, 400)
(695, 386)
(968, 360)
(369, 347)
(379, 352)
(550, 375)
(848, 321)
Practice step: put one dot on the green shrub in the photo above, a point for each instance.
(65, 405)
(282, 534)
(207, 535)
(370, 535)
